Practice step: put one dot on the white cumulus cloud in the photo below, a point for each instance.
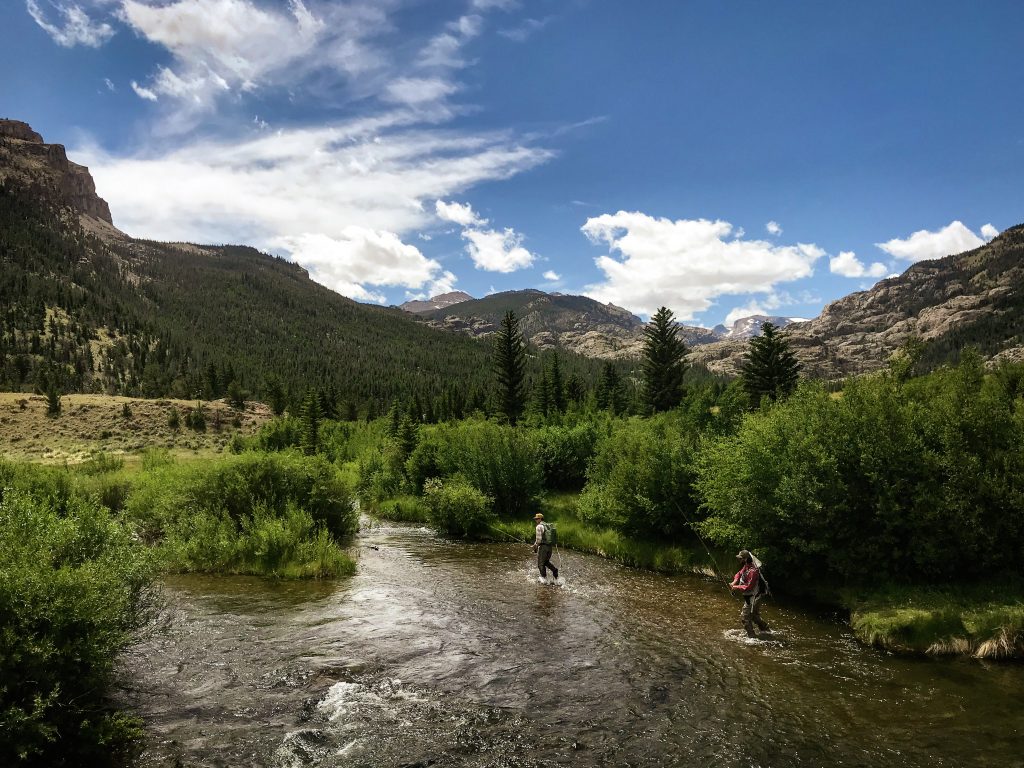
(988, 231)
(686, 264)
(358, 257)
(848, 265)
(77, 27)
(552, 276)
(496, 251)
(747, 310)
(458, 213)
(924, 244)
(314, 194)
(773, 228)
(490, 249)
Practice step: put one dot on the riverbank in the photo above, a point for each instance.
(984, 621)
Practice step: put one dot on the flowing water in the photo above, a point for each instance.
(450, 654)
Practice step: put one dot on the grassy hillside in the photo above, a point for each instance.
(91, 424)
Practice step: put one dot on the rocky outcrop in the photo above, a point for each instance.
(15, 129)
(436, 302)
(25, 157)
(974, 298)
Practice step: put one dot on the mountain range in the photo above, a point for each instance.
(101, 311)
(561, 321)
(87, 308)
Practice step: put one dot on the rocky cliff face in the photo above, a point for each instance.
(26, 158)
(969, 299)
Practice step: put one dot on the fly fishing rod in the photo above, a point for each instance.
(714, 562)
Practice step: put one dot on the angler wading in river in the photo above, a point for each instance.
(750, 584)
(543, 545)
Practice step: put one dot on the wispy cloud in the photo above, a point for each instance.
(75, 28)
(686, 264)
(525, 29)
(955, 237)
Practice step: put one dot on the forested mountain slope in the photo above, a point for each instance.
(90, 309)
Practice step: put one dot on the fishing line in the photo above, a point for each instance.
(508, 535)
(721, 576)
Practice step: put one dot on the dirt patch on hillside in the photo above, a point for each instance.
(88, 424)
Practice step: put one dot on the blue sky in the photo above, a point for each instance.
(719, 158)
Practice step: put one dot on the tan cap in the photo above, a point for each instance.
(538, 516)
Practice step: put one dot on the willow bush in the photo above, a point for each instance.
(908, 482)
(74, 587)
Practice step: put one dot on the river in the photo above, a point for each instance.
(443, 653)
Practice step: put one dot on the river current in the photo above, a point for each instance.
(442, 653)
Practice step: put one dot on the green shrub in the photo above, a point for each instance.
(284, 543)
(409, 509)
(73, 589)
(890, 482)
(456, 508)
(502, 461)
(565, 453)
(380, 475)
(202, 513)
(640, 481)
(102, 463)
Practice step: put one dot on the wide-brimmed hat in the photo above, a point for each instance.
(538, 516)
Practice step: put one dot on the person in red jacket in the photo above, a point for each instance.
(748, 583)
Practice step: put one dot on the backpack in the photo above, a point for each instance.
(549, 535)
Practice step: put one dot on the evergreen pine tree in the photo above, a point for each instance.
(610, 394)
(312, 415)
(277, 400)
(236, 396)
(542, 395)
(770, 369)
(575, 389)
(394, 419)
(556, 387)
(664, 362)
(53, 401)
(406, 437)
(509, 367)
(213, 382)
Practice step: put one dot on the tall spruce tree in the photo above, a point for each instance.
(556, 386)
(575, 389)
(664, 362)
(312, 415)
(770, 369)
(610, 395)
(509, 367)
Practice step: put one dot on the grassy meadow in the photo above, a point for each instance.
(91, 424)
